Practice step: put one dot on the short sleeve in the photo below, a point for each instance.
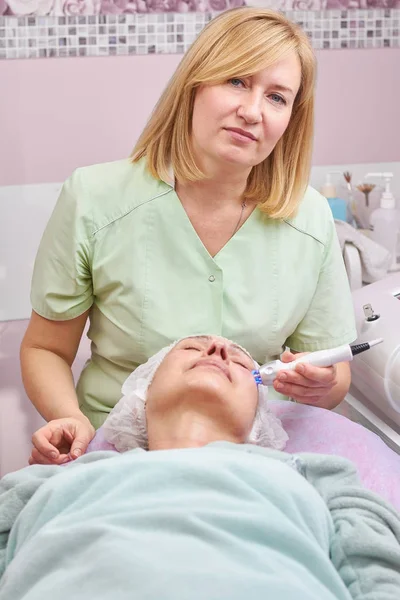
(62, 282)
(329, 320)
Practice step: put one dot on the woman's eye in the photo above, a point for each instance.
(192, 348)
(243, 365)
(235, 82)
(278, 99)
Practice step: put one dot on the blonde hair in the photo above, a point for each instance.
(237, 43)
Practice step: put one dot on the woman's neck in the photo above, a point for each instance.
(214, 192)
(209, 195)
(215, 209)
(188, 430)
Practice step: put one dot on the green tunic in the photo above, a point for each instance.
(120, 242)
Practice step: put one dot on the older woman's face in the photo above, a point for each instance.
(211, 373)
(240, 121)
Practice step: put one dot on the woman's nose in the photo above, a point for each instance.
(218, 348)
(251, 109)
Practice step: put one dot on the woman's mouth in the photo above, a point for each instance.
(241, 134)
(214, 364)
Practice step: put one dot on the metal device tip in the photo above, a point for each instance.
(375, 342)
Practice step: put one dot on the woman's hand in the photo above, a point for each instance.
(61, 440)
(325, 387)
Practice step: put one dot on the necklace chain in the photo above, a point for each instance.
(240, 218)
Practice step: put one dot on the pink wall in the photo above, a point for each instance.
(57, 114)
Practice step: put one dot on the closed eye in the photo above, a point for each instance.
(237, 362)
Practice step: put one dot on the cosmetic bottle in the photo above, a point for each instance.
(385, 220)
(338, 205)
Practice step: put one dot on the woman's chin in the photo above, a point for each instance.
(238, 160)
(211, 382)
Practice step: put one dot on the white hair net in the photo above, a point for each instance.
(126, 428)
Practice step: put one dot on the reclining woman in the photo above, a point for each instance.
(203, 513)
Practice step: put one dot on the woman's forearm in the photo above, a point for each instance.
(49, 383)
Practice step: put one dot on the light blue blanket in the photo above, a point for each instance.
(223, 522)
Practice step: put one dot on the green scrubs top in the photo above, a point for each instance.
(120, 243)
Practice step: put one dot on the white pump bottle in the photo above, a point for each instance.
(385, 220)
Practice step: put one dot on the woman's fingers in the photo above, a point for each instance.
(82, 437)
(300, 391)
(323, 376)
(305, 381)
(61, 440)
(288, 356)
(37, 458)
(308, 376)
(46, 439)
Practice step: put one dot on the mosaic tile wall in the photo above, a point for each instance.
(172, 33)
(76, 8)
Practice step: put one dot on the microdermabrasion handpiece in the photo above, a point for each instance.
(266, 374)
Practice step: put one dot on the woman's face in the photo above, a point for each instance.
(239, 122)
(211, 374)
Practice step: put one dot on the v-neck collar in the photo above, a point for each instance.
(189, 226)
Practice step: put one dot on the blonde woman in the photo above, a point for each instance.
(210, 226)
